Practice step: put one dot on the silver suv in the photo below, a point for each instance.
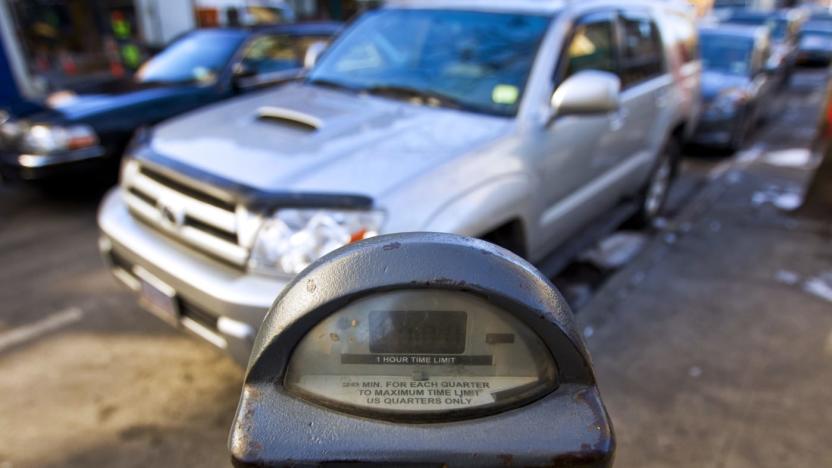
(518, 122)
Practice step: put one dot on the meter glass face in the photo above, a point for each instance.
(421, 354)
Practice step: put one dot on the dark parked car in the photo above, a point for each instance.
(820, 15)
(785, 31)
(737, 83)
(80, 132)
(816, 43)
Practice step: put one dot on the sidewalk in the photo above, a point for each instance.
(714, 348)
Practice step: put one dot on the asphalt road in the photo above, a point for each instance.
(89, 379)
(713, 347)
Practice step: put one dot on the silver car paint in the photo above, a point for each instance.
(382, 148)
(429, 169)
(366, 144)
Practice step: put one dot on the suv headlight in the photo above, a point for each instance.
(46, 139)
(292, 239)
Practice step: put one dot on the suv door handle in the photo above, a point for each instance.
(618, 119)
(663, 99)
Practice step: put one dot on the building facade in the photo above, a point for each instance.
(72, 44)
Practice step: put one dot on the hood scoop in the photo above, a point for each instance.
(290, 117)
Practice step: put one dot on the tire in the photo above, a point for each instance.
(653, 196)
(741, 134)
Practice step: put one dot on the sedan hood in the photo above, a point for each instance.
(71, 107)
(305, 138)
(714, 83)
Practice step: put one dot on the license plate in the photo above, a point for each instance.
(158, 298)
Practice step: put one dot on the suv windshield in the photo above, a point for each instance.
(195, 58)
(726, 54)
(475, 61)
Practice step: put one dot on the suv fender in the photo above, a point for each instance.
(485, 208)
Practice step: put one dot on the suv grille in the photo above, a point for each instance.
(205, 221)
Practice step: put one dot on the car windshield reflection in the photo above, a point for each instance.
(195, 58)
(471, 60)
(726, 54)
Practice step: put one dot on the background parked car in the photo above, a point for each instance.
(816, 44)
(737, 83)
(90, 131)
(785, 31)
(422, 118)
(821, 15)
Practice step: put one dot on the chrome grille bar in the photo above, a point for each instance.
(196, 218)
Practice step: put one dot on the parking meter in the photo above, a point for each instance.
(420, 350)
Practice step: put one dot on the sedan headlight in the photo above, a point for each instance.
(9, 133)
(292, 239)
(46, 139)
(729, 101)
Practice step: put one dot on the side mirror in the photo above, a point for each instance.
(242, 73)
(313, 53)
(420, 349)
(587, 93)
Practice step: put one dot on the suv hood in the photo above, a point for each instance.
(322, 140)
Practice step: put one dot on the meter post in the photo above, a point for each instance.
(427, 349)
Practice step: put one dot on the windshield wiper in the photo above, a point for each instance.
(331, 84)
(422, 94)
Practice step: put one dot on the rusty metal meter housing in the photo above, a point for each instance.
(428, 349)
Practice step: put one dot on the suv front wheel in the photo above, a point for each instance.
(653, 197)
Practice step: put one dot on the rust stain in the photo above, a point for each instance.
(253, 392)
(244, 423)
(442, 281)
(254, 448)
(576, 459)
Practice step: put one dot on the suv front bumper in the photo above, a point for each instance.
(221, 304)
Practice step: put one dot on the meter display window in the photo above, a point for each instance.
(417, 331)
(421, 355)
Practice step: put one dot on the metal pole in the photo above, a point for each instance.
(14, 53)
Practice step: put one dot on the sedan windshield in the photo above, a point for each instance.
(726, 54)
(468, 60)
(195, 58)
(779, 26)
(780, 29)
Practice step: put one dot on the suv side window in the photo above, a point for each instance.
(642, 57)
(592, 46)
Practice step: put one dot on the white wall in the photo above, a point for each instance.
(162, 20)
(223, 4)
(765, 4)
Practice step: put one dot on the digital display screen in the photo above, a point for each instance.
(417, 332)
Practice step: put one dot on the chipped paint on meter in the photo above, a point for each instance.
(418, 353)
